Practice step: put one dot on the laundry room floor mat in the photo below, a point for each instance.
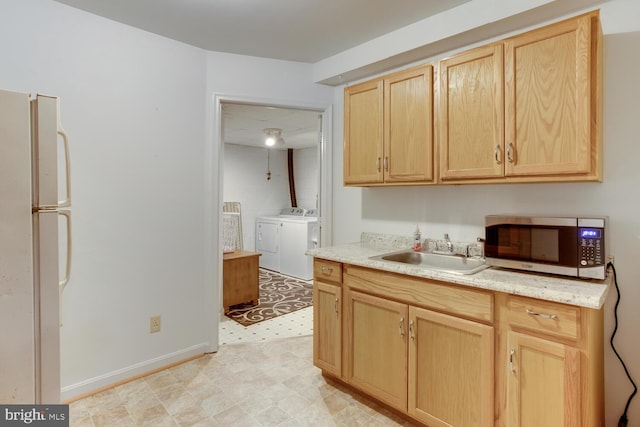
(279, 295)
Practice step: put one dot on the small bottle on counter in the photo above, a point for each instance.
(417, 245)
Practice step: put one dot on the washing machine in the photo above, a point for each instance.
(268, 242)
(283, 239)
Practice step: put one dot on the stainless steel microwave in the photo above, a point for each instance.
(569, 246)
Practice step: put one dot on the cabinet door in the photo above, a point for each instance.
(450, 370)
(471, 114)
(543, 384)
(327, 327)
(408, 125)
(377, 347)
(549, 98)
(363, 121)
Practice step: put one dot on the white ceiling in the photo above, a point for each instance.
(244, 124)
(294, 30)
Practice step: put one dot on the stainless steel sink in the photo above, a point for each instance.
(449, 263)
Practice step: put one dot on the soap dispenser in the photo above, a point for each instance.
(417, 245)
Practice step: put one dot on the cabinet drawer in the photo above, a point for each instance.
(545, 317)
(327, 271)
(468, 303)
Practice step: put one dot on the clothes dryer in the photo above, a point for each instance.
(268, 242)
(283, 240)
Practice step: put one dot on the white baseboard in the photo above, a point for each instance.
(94, 384)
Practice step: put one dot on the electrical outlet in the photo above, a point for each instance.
(154, 324)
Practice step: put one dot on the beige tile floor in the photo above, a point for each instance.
(296, 324)
(271, 383)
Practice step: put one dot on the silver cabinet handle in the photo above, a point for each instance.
(543, 315)
(378, 164)
(335, 305)
(326, 270)
(511, 353)
(401, 326)
(496, 153)
(411, 329)
(386, 163)
(511, 151)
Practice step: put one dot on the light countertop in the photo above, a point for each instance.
(583, 293)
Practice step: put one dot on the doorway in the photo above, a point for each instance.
(229, 128)
(263, 179)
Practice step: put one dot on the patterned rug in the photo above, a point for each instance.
(278, 295)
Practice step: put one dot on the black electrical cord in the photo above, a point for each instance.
(623, 419)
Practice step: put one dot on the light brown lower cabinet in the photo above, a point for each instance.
(543, 383)
(435, 367)
(327, 316)
(449, 355)
(327, 322)
(553, 370)
(450, 370)
(376, 347)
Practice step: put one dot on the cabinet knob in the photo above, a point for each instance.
(335, 305)
(378, 164)
(401, 326)
(386, 163)
(511, 353)
(411, 330)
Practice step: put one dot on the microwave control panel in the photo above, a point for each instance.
(591, 244)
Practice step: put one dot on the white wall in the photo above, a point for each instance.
(139, 112)
(245, 181)
(460, 210)
(305, 167)
(133, 106)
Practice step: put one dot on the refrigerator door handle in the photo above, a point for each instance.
(67, 215)
(65, 140)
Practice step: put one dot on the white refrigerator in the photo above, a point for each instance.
(33, 147)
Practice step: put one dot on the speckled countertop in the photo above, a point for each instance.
(584, 293)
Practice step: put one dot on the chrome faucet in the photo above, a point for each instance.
(448, 242)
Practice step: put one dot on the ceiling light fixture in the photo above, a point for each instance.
(273, 136)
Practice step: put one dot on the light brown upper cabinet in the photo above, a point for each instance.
(388, 129)
(363, 119)
(471, 115)
(527, 109)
